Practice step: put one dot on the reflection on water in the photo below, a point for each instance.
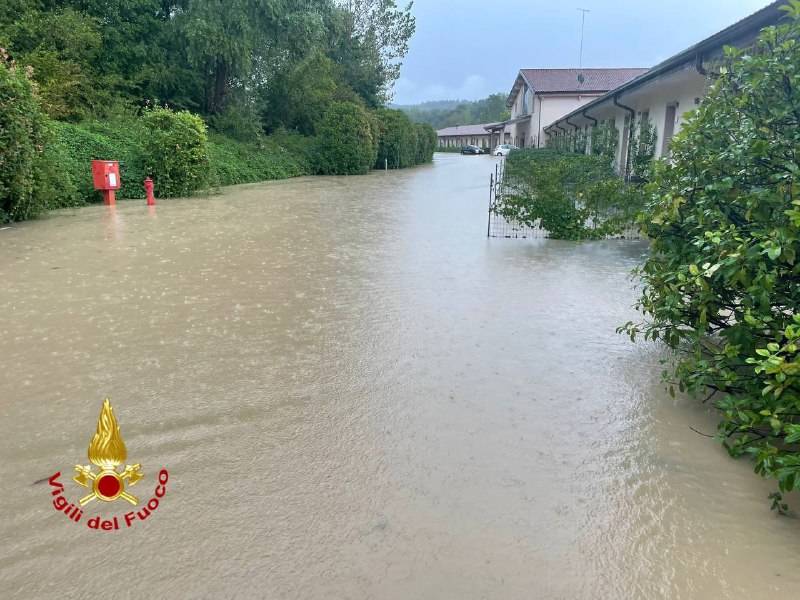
(357, 395)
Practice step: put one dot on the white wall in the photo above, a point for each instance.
(681, 88)
(553, 107)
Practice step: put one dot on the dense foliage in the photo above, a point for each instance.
(276, 157)
(89, 57)
(347, 142)
(22, 133)
(30, 181)
(175, 151)
(403, 143)
(643, 149)
(426, 143)
(720, 287)
(120, 140)
(605, 139)
(397, 147)
(573, 196)
(449, 113)
(256, 72)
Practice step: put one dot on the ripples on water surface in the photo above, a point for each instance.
(358, 396)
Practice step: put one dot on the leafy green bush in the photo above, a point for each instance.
(720, 286)
(574, 195)
(426, 143)
(605, 139)
(175, 151)
(240, 120)
(121, 140)
(346, 140)
(643, 149)
(23, 132)
(235, 162)
(397, 145)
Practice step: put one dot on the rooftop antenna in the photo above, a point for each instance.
(583, 12)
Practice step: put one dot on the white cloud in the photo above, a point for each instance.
(407, 91)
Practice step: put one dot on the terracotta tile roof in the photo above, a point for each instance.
(568, 80)
(465, 130)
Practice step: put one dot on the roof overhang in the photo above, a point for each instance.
(692, 57)
(518, 83)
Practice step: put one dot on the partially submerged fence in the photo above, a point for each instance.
(498, 225)
(501, 225)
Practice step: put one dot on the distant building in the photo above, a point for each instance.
(540, 96)
(476, 135)
(664, 94)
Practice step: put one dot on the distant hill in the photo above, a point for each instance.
(432, 105)
(449, 113)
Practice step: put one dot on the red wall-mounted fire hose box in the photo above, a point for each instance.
(105, 174)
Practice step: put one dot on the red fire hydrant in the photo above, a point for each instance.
(148, 189)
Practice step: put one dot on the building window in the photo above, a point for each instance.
(526, 101)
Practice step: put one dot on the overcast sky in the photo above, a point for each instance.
(468, 49)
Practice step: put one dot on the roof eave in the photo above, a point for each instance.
(763, 18)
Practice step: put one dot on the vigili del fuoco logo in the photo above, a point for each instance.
(107, 485)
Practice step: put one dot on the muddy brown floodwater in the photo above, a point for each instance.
(357, 395)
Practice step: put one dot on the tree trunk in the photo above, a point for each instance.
(217, 87)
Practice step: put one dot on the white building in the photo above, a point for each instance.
(664, 94)
(540, 96)
(487, 135)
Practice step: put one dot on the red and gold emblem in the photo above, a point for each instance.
(107, 451)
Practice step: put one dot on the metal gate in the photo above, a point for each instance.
(500, 227)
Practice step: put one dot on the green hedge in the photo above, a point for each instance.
(271, 158)
(426, 143)
(175, 151)
(46, 164)
(403, 143)
(28, 184)
(118, 140)
(398, 140)
(346, 140)
(228, 161)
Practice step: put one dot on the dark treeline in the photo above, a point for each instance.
(440, 114)
(250, 85)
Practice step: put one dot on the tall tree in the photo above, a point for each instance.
(222, 36)
(370, 40)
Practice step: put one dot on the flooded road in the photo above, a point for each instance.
(357, 395)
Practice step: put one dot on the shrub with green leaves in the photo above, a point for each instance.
(605, 139)
(121, 140)
(572, 196)
(234, 162)
(397, 146)
(721, 286)
(643, 149)
(23, 133)
(346, 143)
(175, 151)
(426, 143)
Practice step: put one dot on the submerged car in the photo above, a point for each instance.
(470, 150)
(504, 149)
